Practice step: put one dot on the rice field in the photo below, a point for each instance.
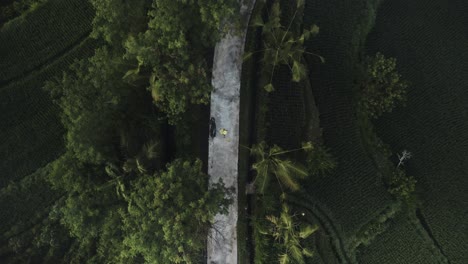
(33, 41)
(354, 192)
(34, 48)
(31, 134)
(431, 51)
(432, 124)
(400, 244)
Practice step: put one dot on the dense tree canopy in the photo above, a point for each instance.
(169, 214)
(176, 48)
(120, 206)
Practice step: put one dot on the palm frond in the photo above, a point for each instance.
(284, 175)
(140, 166)
(263, 169)
(307, 252)
(149, 150)
(297, 170)
(272, 219)
(275, 150)
(307, 230)
(298, 71)
(284, 258)
(296, 254)
(258, 150)
(286, 220)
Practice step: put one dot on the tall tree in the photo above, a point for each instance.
(289, 234)
(169, 214)
(269, 162)
(176, 49)
(381, 86)
(282, 45)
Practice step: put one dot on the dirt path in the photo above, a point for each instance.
(224, 150)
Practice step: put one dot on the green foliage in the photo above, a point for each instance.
(381, 86)
(282, 46)
(116, 19)
(169, 214)
(175, 49)
(25, 201)
(319, 160)
(92, 218)
(375, 227)
(401, 185)
(92, 100)
(264, 248)
(289, 234)
(268, 162)
(164, 216)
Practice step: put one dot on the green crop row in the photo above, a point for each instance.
(30, 41)
(354, 191)
(41, 142)
(418, 223)
(31, 132)
(434, 122)
(23, 98)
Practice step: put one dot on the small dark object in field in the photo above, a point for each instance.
(212, 127)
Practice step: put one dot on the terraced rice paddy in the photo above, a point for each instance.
(354, 192)
(32, 137)
(34, 48)
(400, 244)
(431, 49)
(37, 39)
(432, 124)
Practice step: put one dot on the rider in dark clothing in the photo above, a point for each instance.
(212, 127)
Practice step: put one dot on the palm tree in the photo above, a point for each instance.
(282, 46)
(144, 160)
(288, 234)
(269, 162)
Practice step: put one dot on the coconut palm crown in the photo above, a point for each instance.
(270, 161)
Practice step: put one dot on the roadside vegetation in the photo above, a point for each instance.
(104, 129)
(11, 9)
(280, 234)
(116, 107)
(126, 193)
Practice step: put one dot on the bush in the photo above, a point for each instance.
(401, 185)
(381, 86)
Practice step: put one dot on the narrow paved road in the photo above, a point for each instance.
(224, 150)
